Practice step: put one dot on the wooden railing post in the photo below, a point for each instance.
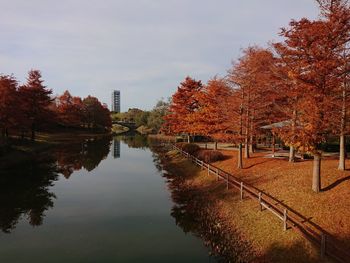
(241, 190)
(261, 207)
(208, 169)
(285, 218)
(323, 245)
(217, 173)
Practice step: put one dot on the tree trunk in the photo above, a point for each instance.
(188, 138)
(316, 176)
(240, 159)
(247, 132)
(291, 154)
(215, 145)
(251, 144)
(273, 145)
(341, 165)
(240, 153)
(342, 157)
(246, 147)
(342, 142)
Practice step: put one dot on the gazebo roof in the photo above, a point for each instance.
(277, 125)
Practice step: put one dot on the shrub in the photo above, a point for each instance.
(210, 156)
(190, 148)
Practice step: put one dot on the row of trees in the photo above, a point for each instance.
(152, 119)
(299, 88)
(31, 107)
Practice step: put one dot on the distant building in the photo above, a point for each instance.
(116, 101)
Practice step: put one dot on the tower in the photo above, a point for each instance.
(116, 101)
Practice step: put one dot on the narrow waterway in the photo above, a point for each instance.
(93, 201)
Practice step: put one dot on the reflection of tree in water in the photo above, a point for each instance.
(193, 212)
(135, 141)
(25, 192)
(87, 154)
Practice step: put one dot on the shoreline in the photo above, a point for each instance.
(263, 234)
(24, 151)
(197, 210)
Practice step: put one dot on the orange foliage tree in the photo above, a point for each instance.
(70, 110)
(183, 105)
(35, 99)
(95, 114)
(9, 112)
(212, 117)
(313, 48)
(253, 77)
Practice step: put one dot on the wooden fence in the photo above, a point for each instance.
(290, 218)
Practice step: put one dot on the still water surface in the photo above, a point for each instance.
(107, 203)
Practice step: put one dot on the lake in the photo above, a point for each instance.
(93, 201)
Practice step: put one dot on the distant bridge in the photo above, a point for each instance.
(128, 124)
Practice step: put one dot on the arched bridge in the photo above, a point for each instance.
(128, 124)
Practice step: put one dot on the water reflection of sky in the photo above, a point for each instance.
(117, 212)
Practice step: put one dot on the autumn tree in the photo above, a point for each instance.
(184, 103)
(337, 14)
(96, 115)
(70, 110)
(35, 99)
(252, 76)
(212, 117)
(314, 46)
(9, 104)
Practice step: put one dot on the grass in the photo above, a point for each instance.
(288, 182)
(291, 182)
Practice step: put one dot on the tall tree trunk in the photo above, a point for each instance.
(247, 133)
(240, 157)
(316, 175)
(292, 149)
(273, 145)
(246, 147)
(188, 138)
(251, 144)
(240, 153)
(341, 165)
(342, 154)
(251, 138)
(291, 154)
(215, 145)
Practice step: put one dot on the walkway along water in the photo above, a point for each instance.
(287, 215)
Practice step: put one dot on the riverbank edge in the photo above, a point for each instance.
(21, 152)
(243, 218)
(223, 238)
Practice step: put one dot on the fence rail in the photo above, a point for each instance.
(289, 217)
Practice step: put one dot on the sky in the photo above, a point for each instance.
(144, 48)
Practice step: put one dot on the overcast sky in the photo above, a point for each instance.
(144, 48)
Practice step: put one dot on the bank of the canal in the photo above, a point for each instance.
(238, 230)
